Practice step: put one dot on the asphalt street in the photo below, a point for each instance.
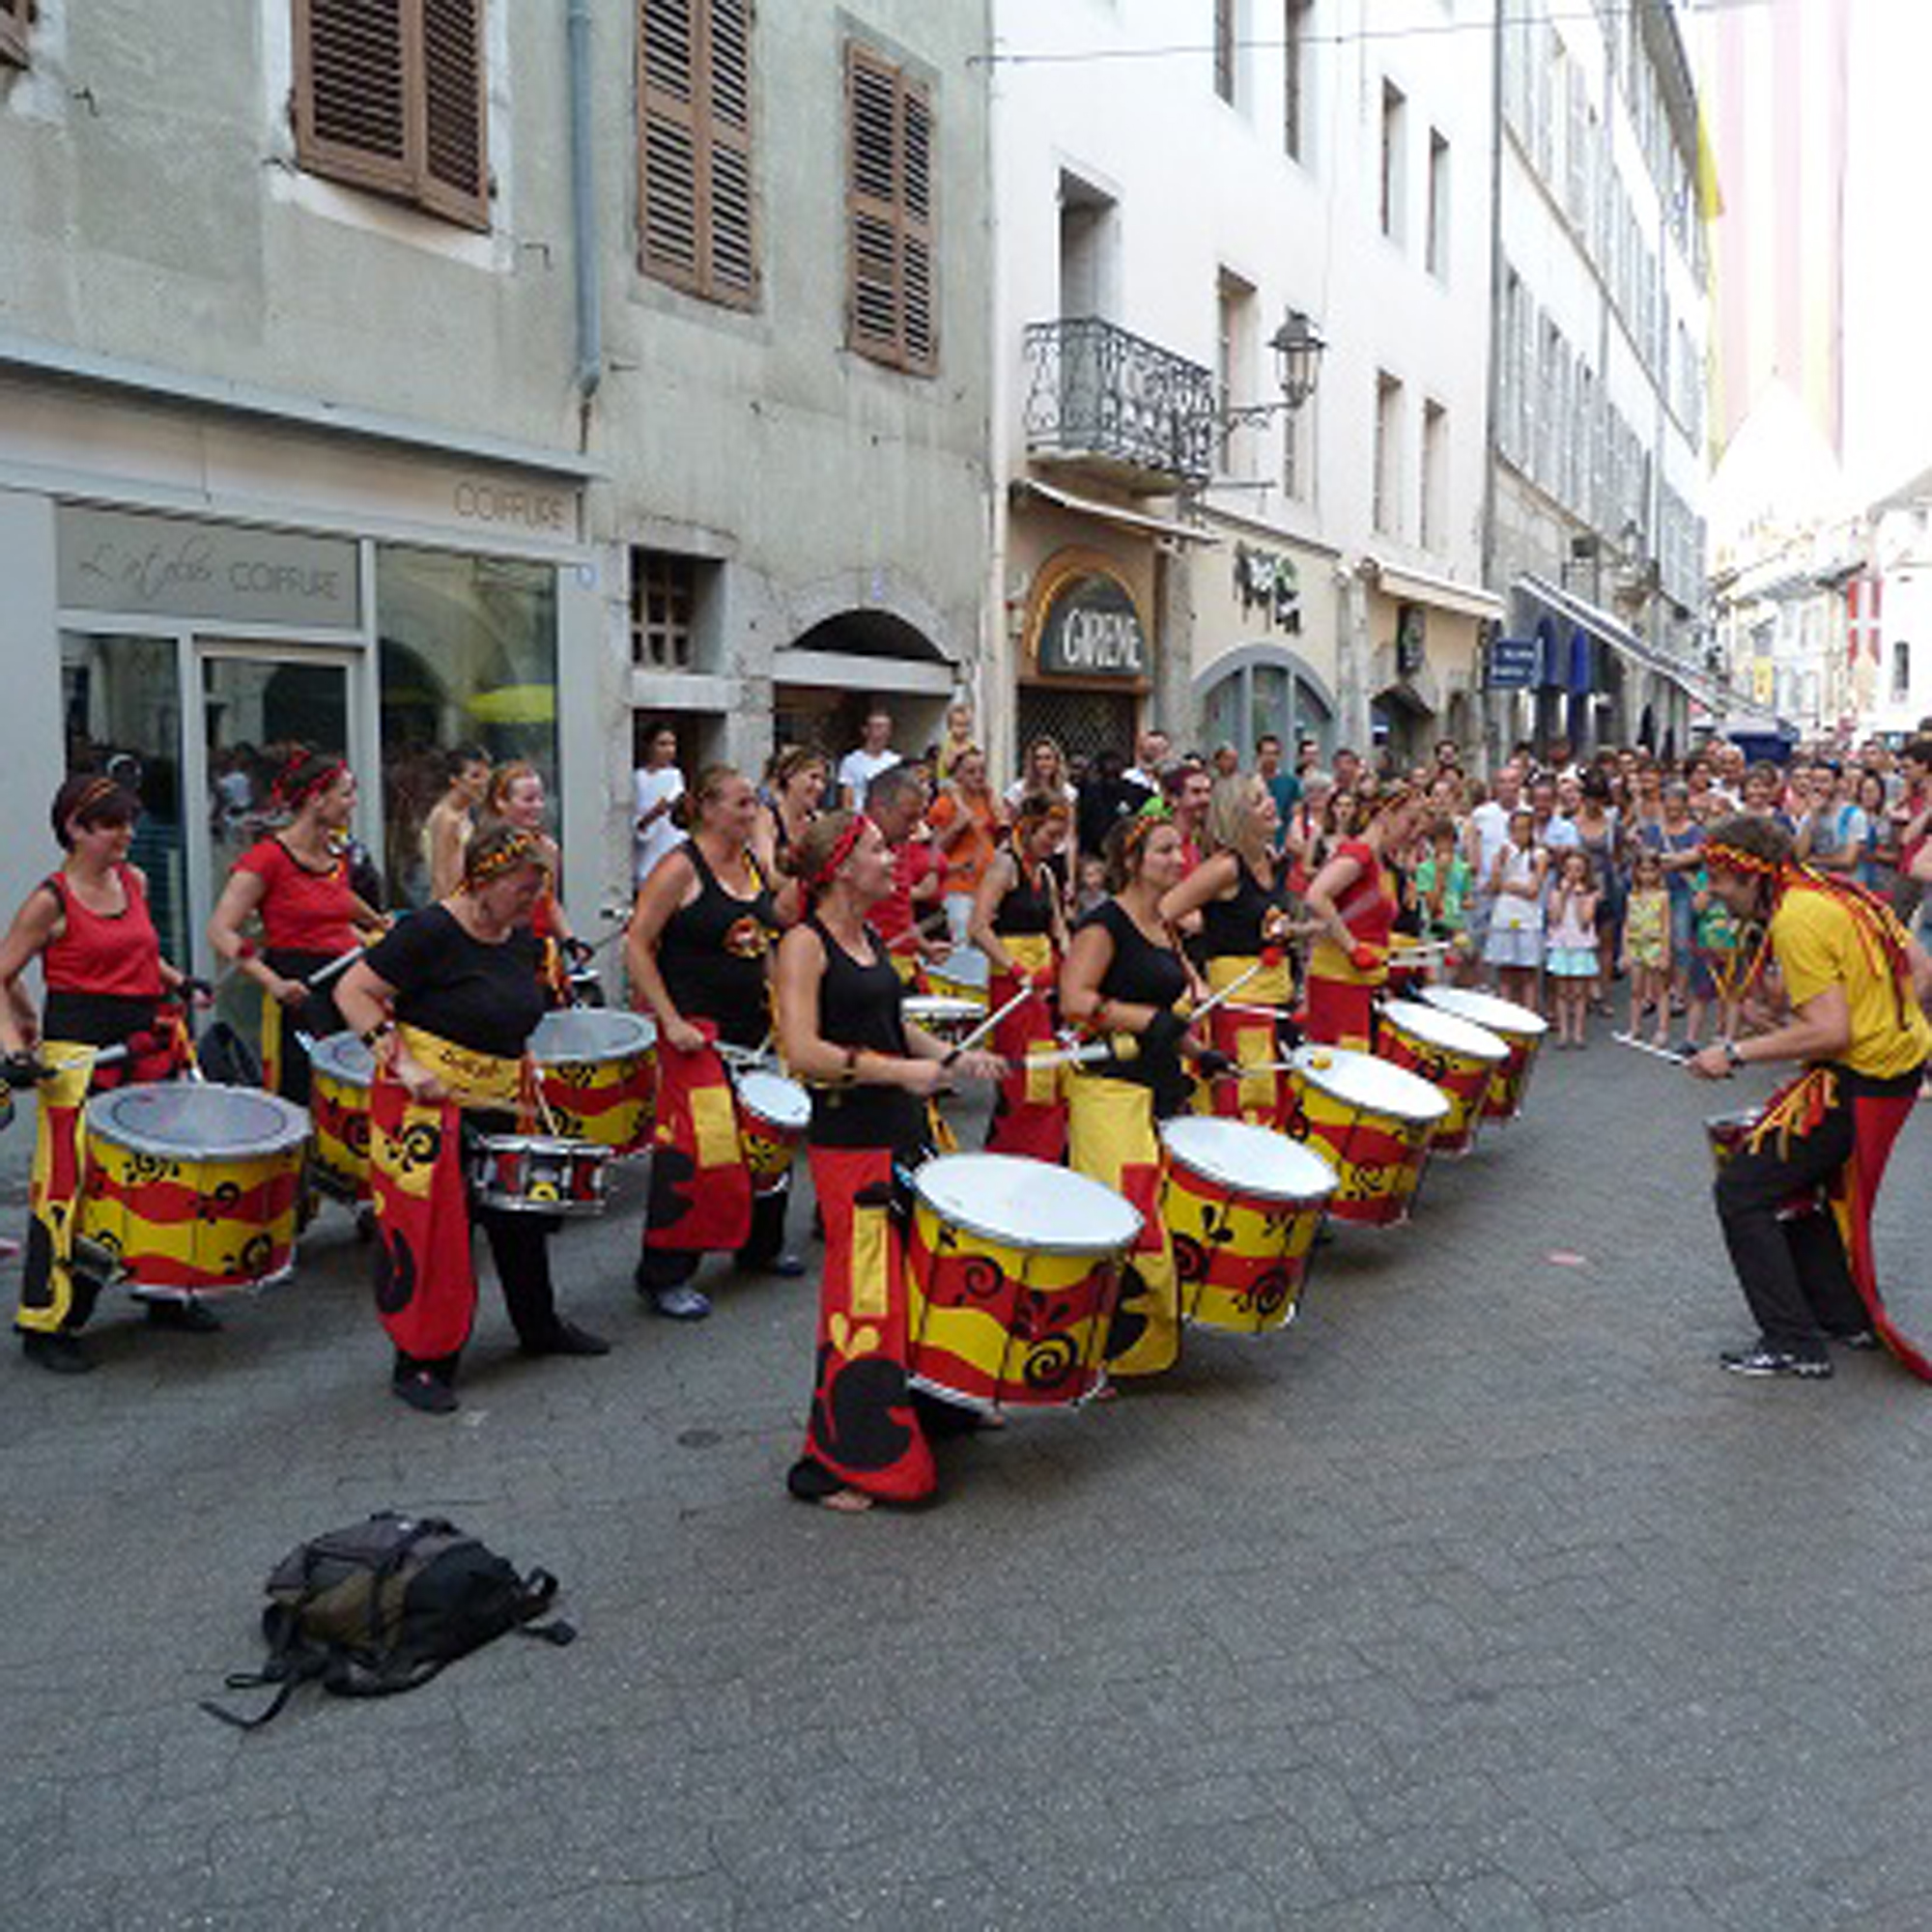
(1479, 1598)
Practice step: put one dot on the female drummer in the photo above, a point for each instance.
(698, 954)
(1240, 891)
(107, 986)
(1355, 901)
(447, 1003)
(517, 797)
(1019, 922)
(796, 788)
(1123, 977)
(872, 1077)
(297, 882)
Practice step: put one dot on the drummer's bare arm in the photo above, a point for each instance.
(1081, 1000)
(35, 926)
(672, 883)
(998, 879)
(240, 901)
(1821, 1029)
(1215, 879)
(1327, 888)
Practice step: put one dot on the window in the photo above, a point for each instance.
(1088, 249)
(16, 17)
(695, 198)
(1226, 40)
(1235, 368)
(1435, 255)
(666, 596)
(1901, 671)
(1386, 509)
(1394, 182)
(889, 301)
(1295, 52)
(390, 97)
(1434, 475)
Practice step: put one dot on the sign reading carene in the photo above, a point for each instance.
(1092, 629)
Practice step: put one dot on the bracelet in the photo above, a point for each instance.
(1101, 1012)
(1733, 1055)
(378, 1033)
(245, 951)
(851, 1070)
(950, 1057)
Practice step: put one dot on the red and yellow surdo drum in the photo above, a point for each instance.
(1728, 1134)
(340, 1070)
(192, 1190)
(597, 1072)
(1013, 1271)
(943, 1016)
(1243, 1206)
(1452, 1053)
(1518, 1028)
(772, 1115)
(1371, 1121)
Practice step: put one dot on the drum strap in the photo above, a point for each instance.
(54, 1190)
(700, 1198)
(473, 1079)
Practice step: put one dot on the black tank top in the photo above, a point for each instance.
(1232, 927)
(1028, 906)
(1142, 974)
(712, 953)
(859, 1005)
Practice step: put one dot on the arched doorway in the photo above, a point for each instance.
(831, 675)
(1256, 689)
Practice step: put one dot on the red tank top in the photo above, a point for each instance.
(301, 911)
(119, 956)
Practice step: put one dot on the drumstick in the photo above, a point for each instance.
(1027, 992)
(913, 933)
(323, 974)
(1630, 1040)
(1227, 992)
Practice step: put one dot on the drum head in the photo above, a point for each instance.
(965, 966)
(592, 1033)
(931, 1010)
(774, 1098)
(1502, 1016)
(343, 1056)
(1027, 1204)
(1451, 1032)
(1248, 1159)
(184, 1121)
(1361, 1080)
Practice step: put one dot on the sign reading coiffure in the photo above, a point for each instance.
(139, 565)
(1092, 630)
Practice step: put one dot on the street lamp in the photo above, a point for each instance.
(1297, 347)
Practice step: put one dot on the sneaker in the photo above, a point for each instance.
(682, 1303)
(786, 1267)
(1860, 1339)
(187, 1316)
(1763, 1360)
(424, 1392)
(568, 1339)
(58, 1353)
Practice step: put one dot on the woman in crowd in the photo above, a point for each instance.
(1354, 901)
(452, 819)
(872, 1077)
(796, 790)
(699, 954)
(1678, 839)
(517, 798)
(656, 787)
(1019, 924)
(1240, 893)
(1599, 839)
(967, 822)
(447, 1003)
(296, 883)
(1124, 980)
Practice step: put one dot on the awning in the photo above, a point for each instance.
(1444, 593)
(1024, 486)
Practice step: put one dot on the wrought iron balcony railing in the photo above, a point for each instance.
(1099, 397)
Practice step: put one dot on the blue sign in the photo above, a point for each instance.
(1514, 662)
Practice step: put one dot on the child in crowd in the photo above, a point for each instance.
(1647, 945)
(1573, 944)
(1714, 967)
(1092, 888)
(1439, 887)
(1514, 947)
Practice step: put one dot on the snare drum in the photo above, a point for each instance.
(1242, 1204)
(192, 1190)
(1455, 1054)
(1011, 1274)
(944, 1014)
(535, 1174)
(1371, 1121)
(773, 1114)
(597, 1072)
(1518, 1028)
(962, 974)
(340, 1070)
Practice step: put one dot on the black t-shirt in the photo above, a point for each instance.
(1232, 927)
(859, 1005)
(1142, 974)
(712, 953)
(487, 998)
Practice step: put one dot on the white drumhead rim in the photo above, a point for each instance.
(626, 1035)
(1437, 1026)
(1487, 1010)
(1362, 1080)
(1247, 1159)
(920, 1008)
(773, 1097)
(557, 1144)
(947, 1183)
(277, 1126)
(965, 966)
(342, 1057)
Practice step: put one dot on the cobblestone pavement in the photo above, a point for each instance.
(1478, 1599)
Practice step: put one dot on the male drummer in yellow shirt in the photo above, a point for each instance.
(1855, 982)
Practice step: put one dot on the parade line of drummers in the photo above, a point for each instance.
(1215, 1006)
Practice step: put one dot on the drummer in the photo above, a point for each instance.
(872, 1077)
(447, 1003)
(106, 986)
(295, 881)
(911, 918)
(1240, 892)
(1355, 901)
(698, 959)
(1125, 977)
(796, 789)
(516, 796)
(1019, 922)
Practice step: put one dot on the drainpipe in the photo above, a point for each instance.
(584, 214)
(1494, 746)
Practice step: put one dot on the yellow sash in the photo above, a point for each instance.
(472, 1079)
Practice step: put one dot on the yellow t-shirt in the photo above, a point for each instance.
(1817, 945)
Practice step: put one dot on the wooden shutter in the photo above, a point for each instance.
(891, 298)
(389, 95)
(695, 206)
(16, 17)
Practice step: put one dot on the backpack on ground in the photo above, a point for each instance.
(382, 1606)
(225, 1057)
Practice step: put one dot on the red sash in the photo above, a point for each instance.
(1029, 1114)
(425, 1274)
(700, 1187)
(1876, 1120)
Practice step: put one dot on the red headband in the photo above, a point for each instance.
(1732, 858)
(841, 850)
(294, 796)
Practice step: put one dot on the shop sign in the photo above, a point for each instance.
(1092, 630)
(1514, 662)
(147, 566)
(548, 512)
(1265, 581)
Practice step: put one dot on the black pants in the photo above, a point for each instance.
(1794, 1272)
(671, 1268)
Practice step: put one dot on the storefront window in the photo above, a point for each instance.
(467, 657)
(1267, 690)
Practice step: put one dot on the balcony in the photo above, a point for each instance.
(1117, 408)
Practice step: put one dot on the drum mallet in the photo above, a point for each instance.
(986, 1027)
(1670, 1054)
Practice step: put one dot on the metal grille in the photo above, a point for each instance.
(1084, 722)
(663, 609)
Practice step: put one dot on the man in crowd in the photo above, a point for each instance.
(910, 918)
(874, 754)
(1284, 787)
(1107, 797)
(1151, 750)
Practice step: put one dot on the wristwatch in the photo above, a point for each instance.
(1733, 1059)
